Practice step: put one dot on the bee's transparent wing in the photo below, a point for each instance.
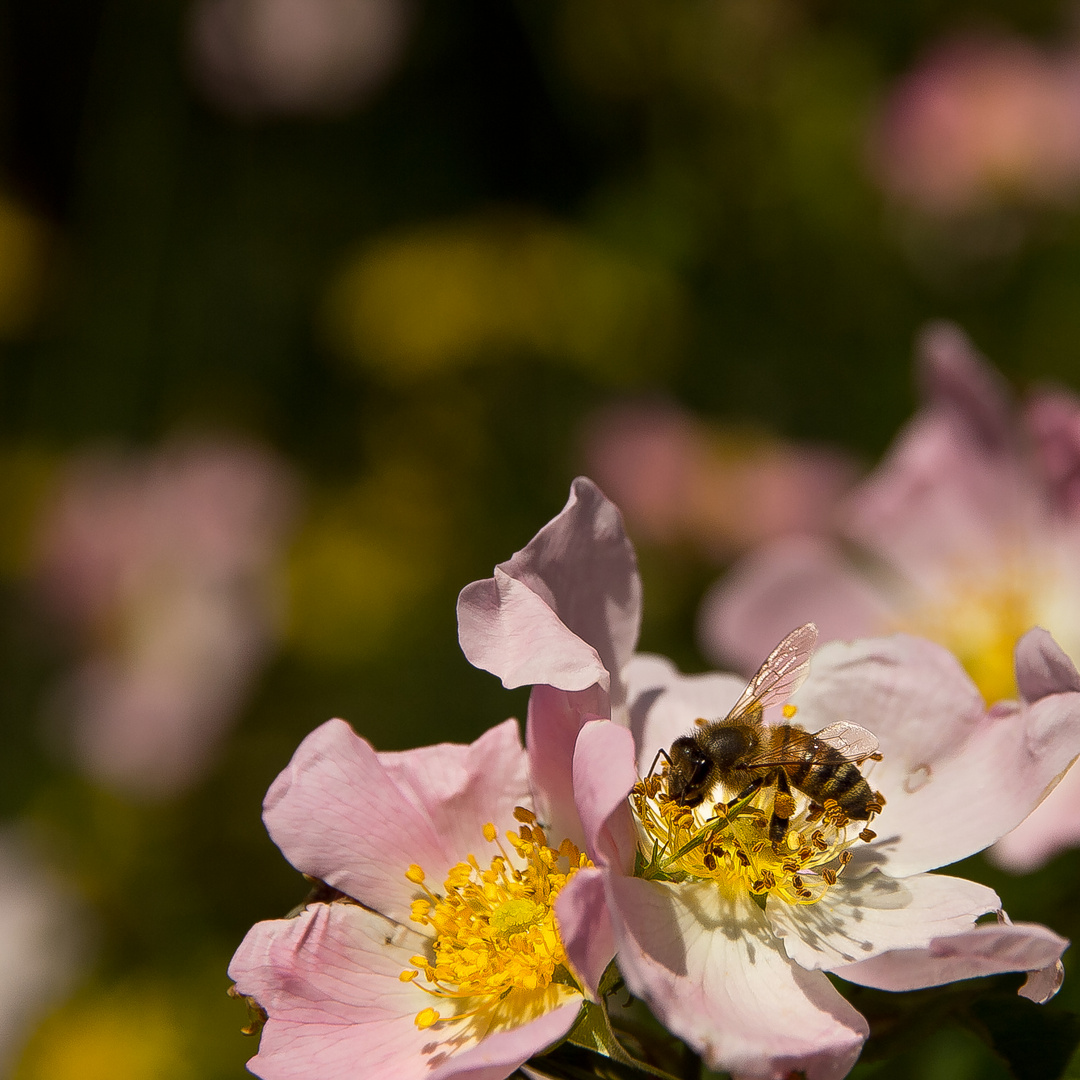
(781, 674)
(854, 742)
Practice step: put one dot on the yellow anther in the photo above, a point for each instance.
(408, 976)
(426, 1018)
(415, 874)
(490, 833)
(524, 815)
(789, 711)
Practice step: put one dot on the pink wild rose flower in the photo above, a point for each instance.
(436, 947)
(967, 533)
(726, 937)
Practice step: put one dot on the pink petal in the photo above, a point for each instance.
(780, 586)
(580, 565)
(498, 1054)
(1040, 986)
(460, 788)
(338, 814)
(585, 927)
(555, 719)
(604, 773)
(860, 917)
(955, 777)
(712, 972)
(1042, 668)
(506, 628)
(1052, 827)
(984, 950)
(956, 378)
(329, 981)
(665, 703)
(1053, 420)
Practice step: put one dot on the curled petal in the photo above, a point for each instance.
(583, 568)
(983, 950)
(1040, 986)
(506, 628)
(1042, 668)
(861, 917)
(713, 973)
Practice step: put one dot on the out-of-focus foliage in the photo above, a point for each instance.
(414, 263)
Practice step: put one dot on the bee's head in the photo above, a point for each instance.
(689, 772)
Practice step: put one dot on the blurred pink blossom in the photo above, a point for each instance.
(416, 979)
(981, 118)
(736, 966)
(678, 479)
(968, 532)
(163, 568)
(256, 57)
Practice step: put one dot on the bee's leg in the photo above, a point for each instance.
(748, 790)
(783, 807)
(661, 753)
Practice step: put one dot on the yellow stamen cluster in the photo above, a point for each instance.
(730, 844)
(495, 929)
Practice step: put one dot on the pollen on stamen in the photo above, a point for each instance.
(426, 1018)
(777, 843)
(495, 931)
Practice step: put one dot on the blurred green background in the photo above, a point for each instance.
(410, 281)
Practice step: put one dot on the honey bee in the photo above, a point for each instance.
(743, 754)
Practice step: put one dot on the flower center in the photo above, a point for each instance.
(980, 622)
(733, 845)
(495, 929)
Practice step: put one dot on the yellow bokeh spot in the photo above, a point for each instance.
(24, 256)
(114, 1036)
(442, 297)
(363, 563)
(26, 477)
(980, 622)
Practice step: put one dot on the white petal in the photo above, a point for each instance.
(984, 950)
(664, 703)
(955, 777)
(711, 970)
(859, 918)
